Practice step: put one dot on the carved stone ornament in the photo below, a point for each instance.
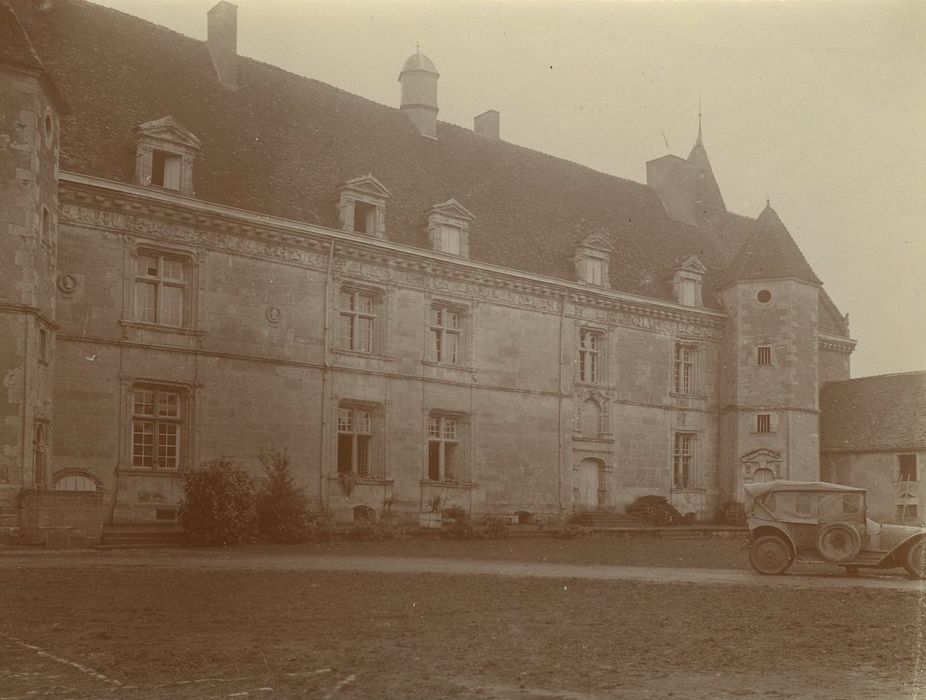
(67, 284)
(274, 314)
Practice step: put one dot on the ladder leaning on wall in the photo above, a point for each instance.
(902, 492)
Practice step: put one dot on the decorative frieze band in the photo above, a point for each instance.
(430, 275)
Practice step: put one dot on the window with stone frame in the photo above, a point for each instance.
(591, 351)
(358, 428)
(158, 427)
(907, 470)
(357, 320)
(166, 169)
(685, 368)
(683, 455)
(764, 356)
(448, 228)
(163, 289)
(445, 334)
(445, 448)
(766, 423)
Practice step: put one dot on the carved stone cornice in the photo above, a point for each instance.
(120, 208)
(836, 343)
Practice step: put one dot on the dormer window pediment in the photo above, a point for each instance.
(362, 206)
(687, 281)
(164, 154)
(592, 260)
(448, 227)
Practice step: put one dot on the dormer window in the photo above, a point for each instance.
(591, 260)
(164, 153)
(362, 206)
(687, 281)
(166, 170)
(448, 228)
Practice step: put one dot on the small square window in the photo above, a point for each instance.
(763, 423)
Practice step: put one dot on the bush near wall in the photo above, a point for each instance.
(282, 507)
(219, 504)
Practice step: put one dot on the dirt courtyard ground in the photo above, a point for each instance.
(153, 625)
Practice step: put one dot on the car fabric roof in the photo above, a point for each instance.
(756, 490)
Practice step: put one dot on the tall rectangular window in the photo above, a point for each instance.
(683, 455)
(764, 423)
(445, 330)
(684, 368)
(355, 441)
(764, 356)
(157, 425)
(590, 345)
(443, 448)
(907, 467)
(357, 318)
(364, 217)
(451, 238)
(166, 169)
(161, 289)
(594, 271)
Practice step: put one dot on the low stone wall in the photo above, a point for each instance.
(61, 518)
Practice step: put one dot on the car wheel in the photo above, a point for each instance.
(915, 561)
(838, 542)
(770, 555)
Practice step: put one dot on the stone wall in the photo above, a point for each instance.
(878, 473)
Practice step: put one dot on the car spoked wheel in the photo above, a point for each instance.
(770, 555)
(915, 562)
(838, 542)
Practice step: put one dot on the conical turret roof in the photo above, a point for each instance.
(15, 46)
(769, 252)
(707, 191)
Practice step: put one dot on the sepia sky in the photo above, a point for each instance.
(819, 106)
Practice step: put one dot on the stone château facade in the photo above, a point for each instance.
(205, 255)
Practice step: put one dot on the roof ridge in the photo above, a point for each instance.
(875, 376)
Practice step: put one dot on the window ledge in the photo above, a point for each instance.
(142, 471)
(142, 325)
(688, 489)
(464, 485)
(360, 353)
(362, 480)
(593, 385)
(679, 395)
(448, 365)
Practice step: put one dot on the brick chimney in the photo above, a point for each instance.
(223, 42)
(487, 124)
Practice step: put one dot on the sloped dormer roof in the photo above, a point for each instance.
(769, 253)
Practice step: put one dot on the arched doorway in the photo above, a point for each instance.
(763, 474)
(590, 483)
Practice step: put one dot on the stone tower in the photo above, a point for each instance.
(30, 107)
(419, 93)
(769, 424)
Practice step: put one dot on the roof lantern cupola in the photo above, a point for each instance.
(419, 93)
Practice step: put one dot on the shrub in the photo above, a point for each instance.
(281, 505)
(571, 532)
(366, 531)
(218, 504)
(460, 528)
(496, 527)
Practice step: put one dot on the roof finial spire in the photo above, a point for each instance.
(699, 120)
(417, 47)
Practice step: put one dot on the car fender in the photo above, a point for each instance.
(897, 553)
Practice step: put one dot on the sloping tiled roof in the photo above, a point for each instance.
(768, 253)
(282, 145)
(886, 412)
(707, 191)
(15, 46)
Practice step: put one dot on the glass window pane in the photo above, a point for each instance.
(365, 303)
(146, 301)
(365, 341)
(434, 427)
(172, 269)
(168, 404)
(171, 306)
(450, 462)
(144, 403)
(142, 444)
(451, 347)
(362, 423)
(347, 301)
(346, 332)
(434, 461)
(345, 453)
(436, 347)
(435, 316)
(147, 265)
(363, 455)
(453, 319)
(344, 422)
(168, 445)
(450, 429)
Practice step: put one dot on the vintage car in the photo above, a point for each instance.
(819, 522)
